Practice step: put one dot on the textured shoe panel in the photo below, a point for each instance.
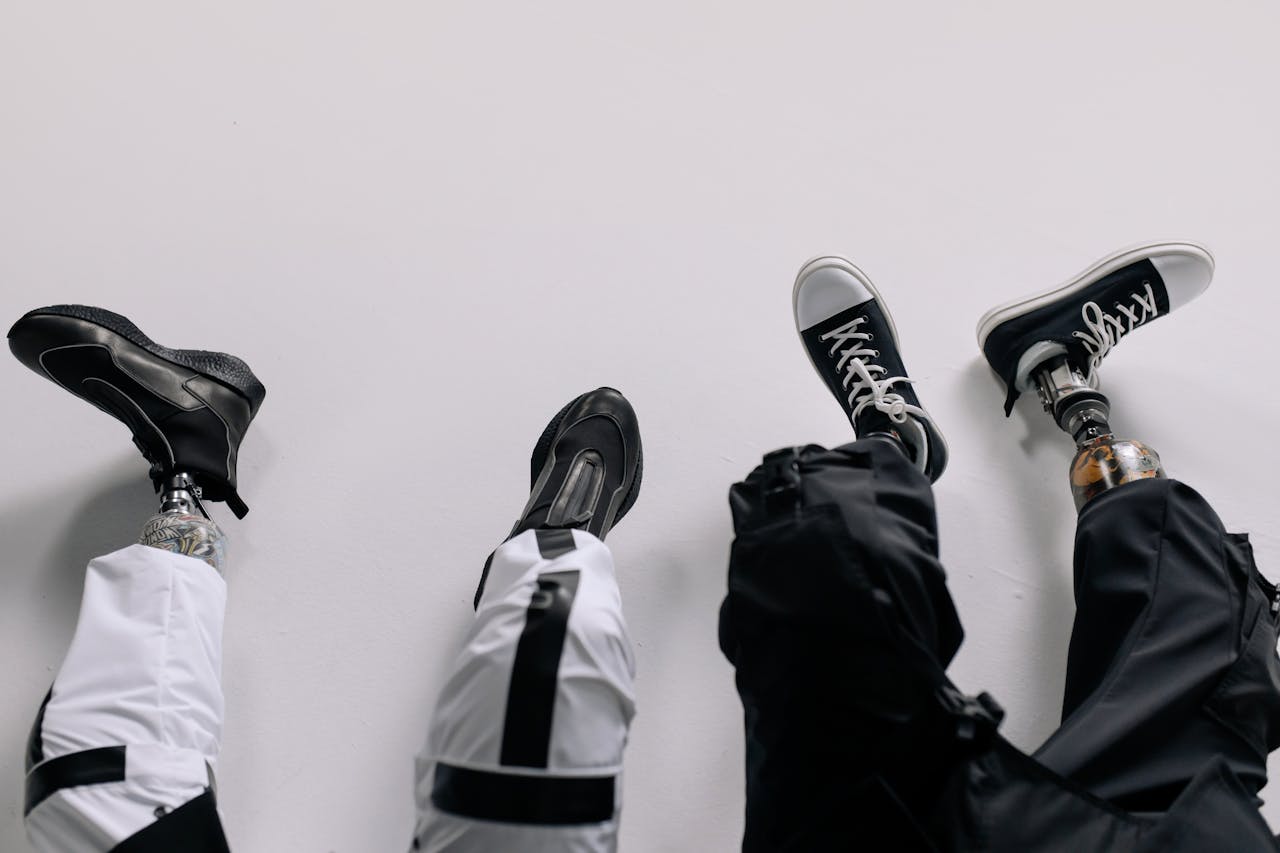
(221, 366)
(543, 448)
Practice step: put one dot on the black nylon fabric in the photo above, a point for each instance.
(835, 588)
(193, 827)
(832, 588)
(1172, 658)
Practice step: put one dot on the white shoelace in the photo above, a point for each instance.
(860, 377)
(1105, 330)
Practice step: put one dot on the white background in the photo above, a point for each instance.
(428, 225)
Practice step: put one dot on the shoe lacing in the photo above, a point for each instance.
(865, 381)
(1105, 330)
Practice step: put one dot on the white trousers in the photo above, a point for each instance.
(524, 751)
(143, 673)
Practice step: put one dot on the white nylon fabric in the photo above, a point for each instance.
(144, 671)
(594, 703)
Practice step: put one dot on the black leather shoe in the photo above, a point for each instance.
(586, 467)
(188, 409)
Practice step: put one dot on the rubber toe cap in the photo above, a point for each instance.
(1186, 272)
(825, 287)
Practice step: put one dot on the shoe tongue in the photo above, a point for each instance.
(873, 324)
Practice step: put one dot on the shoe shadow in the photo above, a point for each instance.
(1037, 539)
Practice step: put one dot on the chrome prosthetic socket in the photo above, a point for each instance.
(178, 528)
(1102, 461)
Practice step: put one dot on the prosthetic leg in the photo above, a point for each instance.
(1172, 683)
(839, 625)
(1054, 343)
(122, 754)
(1102, 461)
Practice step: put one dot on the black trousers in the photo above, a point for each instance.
(840, 627)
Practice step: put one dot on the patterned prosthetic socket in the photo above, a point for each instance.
(178, 529)
(1106, 462)
(1102, 461)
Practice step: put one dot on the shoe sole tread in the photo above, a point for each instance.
(221, 367)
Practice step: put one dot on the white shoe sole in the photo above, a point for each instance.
(814, 264)
(1101, 269)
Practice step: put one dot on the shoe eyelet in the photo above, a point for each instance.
(871, 336)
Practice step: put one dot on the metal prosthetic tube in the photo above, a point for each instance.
(1102, 461)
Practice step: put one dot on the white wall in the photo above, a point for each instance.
(426, 226)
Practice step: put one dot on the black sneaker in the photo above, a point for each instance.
(851, 340)
(586, 467)
(188, 409)
(1084, 318)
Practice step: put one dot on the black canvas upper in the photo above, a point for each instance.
(887, 356)
(1058, 320)
(188, 410)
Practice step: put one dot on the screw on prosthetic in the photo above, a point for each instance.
(177, 527)
(1102, 461)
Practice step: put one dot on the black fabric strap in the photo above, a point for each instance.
(35, 743)
(552, 542)
(88, 767)
(531, 698)
(508, 798)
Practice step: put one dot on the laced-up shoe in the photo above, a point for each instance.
(1088, 315)
(188, 410)
(853, 344)
(586, 466)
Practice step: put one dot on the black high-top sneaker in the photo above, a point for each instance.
(852, 342)
(586, 467)
(188, 409)
(1087, 316)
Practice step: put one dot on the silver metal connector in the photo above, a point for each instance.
(181, 495)
(1079, 409)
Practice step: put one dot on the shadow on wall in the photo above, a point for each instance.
(48, 538)
(1041, 523)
